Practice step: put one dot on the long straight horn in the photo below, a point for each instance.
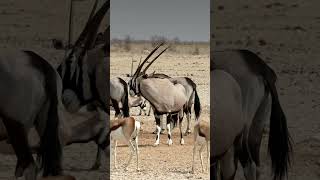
(83, 34)
(145, 69)
(95, 23)
(145, 60)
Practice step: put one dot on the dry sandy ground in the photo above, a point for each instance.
(164, 162)
(31, 25)
(286, 35)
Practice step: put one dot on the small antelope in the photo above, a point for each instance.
(126, 129)
(62, 177)
(202, 136)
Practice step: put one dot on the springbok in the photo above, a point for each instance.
(201, 135)
(126, 129)
(164, 96)
(243, 119)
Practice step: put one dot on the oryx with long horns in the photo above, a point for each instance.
(165, 97)
(85, 72)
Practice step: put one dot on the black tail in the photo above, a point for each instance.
(197, 105)
(51, 149)
(279, 145)
(50, 146)
(125, 99)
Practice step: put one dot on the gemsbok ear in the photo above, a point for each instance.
(145, 76)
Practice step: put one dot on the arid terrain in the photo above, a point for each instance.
(163, 161)
(286, 35)
(31, 25)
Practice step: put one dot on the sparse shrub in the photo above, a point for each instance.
(174, 43)
(196, 50)
(127, 43)
(155, 40)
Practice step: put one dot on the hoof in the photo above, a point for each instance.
(169, 142)
(95, 167)
(156, 144)
(187, 132)
(182, 142)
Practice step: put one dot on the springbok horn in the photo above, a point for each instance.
(145, 60)
(83, 34)
(145, 69)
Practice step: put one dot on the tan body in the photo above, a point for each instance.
(164, 95)
(125, 129)
(201, 136)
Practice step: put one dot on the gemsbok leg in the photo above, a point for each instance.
(158, 129)
(169, 119)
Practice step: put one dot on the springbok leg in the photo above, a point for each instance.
(115, 153)
(194, 153)
(201, 158)
(132, 149)
(137, 152)
(208, 156)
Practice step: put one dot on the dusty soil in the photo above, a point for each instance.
(31, 25)
(286, 36)
(163, 162)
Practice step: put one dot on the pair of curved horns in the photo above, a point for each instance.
(86, 28)
(90, 30)
(146, 59)
(154, 59)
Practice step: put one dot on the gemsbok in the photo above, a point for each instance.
(244, 97)
(125, 129)
(119, 96)
(164, 96)
(192, 93)
(85, 69)
(31, 89)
